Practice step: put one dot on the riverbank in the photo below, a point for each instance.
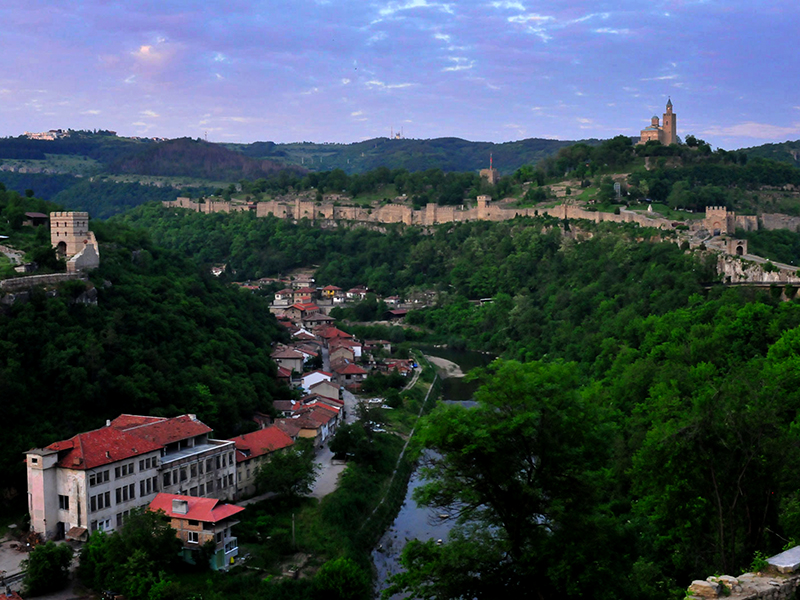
(446, 368)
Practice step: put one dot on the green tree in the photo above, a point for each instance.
(290, 472)
(525, 466)
(342, 579)
(47, 569)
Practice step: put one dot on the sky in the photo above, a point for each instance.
(345, 70)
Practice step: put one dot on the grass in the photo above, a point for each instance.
(388, 191)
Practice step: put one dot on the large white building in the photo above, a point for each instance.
(93, 480)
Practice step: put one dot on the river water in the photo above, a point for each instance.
(419, 522)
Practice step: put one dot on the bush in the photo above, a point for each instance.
(47, 569)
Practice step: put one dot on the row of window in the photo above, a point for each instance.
(125, 493)
(100, 501)
(98, 478)
(180, 475)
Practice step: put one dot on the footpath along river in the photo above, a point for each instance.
(419, 522)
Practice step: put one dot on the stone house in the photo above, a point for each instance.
(289, 359)
(197, 521)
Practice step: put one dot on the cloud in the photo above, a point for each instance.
(149, 113)
(661, 78)
(461, 63)
(345, 81)
(130, 79)
(88, 112)
(219, 57)
(391, 86)
(508, 5)
(762, 131)
(395, 7)
(357, 113)
(611, 31)
(442, 36)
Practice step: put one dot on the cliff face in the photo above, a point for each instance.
(737, 270)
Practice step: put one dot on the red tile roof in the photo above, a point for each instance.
(168, 431)
(289, 427)
(287, 353)
(206, 510)
(284, 373)
(260, 442)
(333, 332)
(351, 369)
(100, 447)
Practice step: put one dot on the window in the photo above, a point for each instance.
(98, 478)
(230, 546)
(209, 464)
(93, 526)
(210, 486)
(63, 502)
(34, 461)
(193, 470)
(100, 501)
(194, 523)
(124, 470)
(202, 490)
(218, 462)
(166, 479)
(193, 537)
(183, 474)
(219, 538)
(193, 491)
(230, 459)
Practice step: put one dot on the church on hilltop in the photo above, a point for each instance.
(666, 133)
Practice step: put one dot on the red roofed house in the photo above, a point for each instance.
(93, 480)
(329, 291)
(342, 342)
(349, 374)
(285, 296)
(300, 310)
(328, 389)
(251, 450)
(310, 379)
(197, 521)
(303, 295)
(332, 333)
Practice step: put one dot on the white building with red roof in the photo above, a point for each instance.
(197, 521)
(252, 449)
(93, 480)
(310, 379)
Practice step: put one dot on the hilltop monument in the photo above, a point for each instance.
(666, 133)
(70, 236)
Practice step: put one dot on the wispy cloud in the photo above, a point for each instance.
(395, 7)
(149, 113)
(612, 31)
(660, 78)
(461, 63)
(374, 83)
(87, 112)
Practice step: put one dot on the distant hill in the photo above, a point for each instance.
(788, 152)
(185, 157)
(448, 154)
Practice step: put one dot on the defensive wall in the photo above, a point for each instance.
(718, 220)
(24, 283)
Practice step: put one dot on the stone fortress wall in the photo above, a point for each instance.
(718, 220)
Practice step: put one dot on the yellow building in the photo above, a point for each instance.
(666, 133)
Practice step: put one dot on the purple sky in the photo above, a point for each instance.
(343, 71)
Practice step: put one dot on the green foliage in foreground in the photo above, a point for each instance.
(133, 560)
(47, 569)
(677, 460)
(289, 473)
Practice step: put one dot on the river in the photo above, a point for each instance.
(413, 521)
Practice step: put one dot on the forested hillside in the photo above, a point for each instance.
(163, 339)
(665, 411)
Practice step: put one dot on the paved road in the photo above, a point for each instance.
(328, 477)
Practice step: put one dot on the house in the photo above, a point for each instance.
(310, 379)
(34, 219)
(303, 295)
(285, 375)
(342, 352)
(331, 333)
(329, 292)
(326, 388)
(93, 480)
(286, 408)
(252, 449)
(197, 521)
(284, 297)
(289, 359)
(356, 294)
(341, 342)
(298, 311)
(303, 280)
(347, 374)
(316, 422)
(316, 320)
(396, 314)
(373, 345)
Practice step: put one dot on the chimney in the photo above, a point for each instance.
(180, 507)
(108, 454)
(108, 422)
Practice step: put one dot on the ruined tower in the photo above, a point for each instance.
(69, 232)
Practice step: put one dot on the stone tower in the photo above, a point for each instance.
(670, 126)
(69, 232)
